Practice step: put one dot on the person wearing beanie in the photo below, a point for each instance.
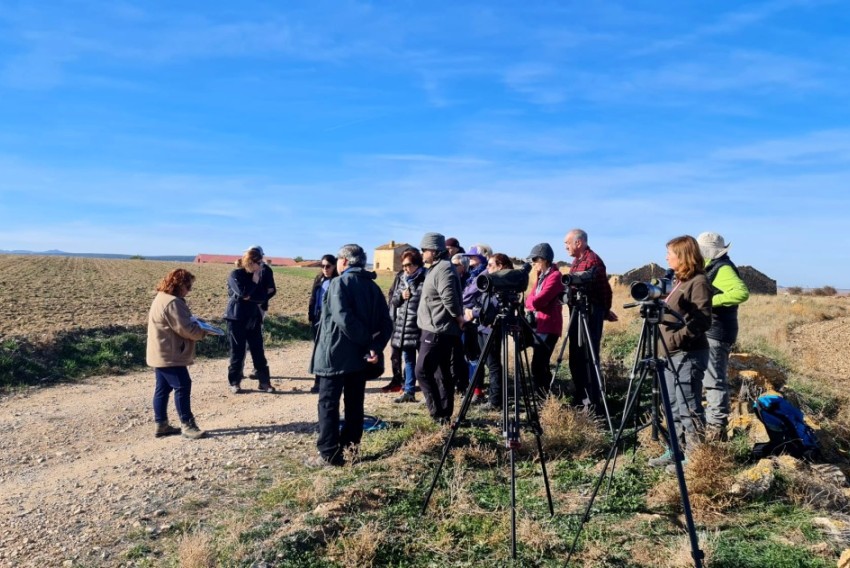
(440, 318)
(454, 247)
(599, 295)
(544, 301)
(729, 292)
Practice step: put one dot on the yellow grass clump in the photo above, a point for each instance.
(195, 550)
(570, 430)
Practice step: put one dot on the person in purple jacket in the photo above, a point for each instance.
(544, 301)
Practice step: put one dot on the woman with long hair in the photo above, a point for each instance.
(244, 318)
(172, 333)
(686, 343)
(314, 310)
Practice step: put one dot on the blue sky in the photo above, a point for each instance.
(186, 127)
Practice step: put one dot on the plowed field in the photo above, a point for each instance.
(43, 295)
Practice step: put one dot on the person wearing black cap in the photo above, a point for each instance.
(440, 317)
(544, 301)
(453, 246)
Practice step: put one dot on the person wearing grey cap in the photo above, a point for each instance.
(440, 317)
(729, 292)
(544, 301)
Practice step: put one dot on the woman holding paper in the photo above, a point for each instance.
(172, 333)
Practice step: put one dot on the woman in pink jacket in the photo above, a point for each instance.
(544, 301)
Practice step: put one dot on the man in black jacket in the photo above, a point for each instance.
(355, 327)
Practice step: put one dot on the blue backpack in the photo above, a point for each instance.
(786, 427)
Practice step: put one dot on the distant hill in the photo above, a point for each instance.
(170, 258)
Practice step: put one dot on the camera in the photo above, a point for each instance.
(507, 280)
(582, 278)
(657, 288)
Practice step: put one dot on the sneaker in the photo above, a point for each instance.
(405, 397)
(393, 386)
(479, 399)
(490, 407)
(235, 389)
(265, 387)
(663, 460)
(165, 429)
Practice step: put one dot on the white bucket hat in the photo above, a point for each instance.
(712, 246)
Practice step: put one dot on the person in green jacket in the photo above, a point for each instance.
(729, 292)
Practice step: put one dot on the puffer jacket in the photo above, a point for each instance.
(405, 329)
(355, 320)
(441, 300)
(172, 333)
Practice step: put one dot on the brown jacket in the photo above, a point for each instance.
(691, 300)
(171, 332)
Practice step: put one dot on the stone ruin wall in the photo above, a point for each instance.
(757, 282)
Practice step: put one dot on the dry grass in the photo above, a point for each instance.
(360, 548)
(569, 430)
(708, 473)
(195, 550)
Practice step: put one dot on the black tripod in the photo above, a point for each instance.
(579, 304)
(507, 324)
(649, 364)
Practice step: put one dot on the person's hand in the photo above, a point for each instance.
(406, 294)
(372, 357)
(611, 316)
(460, 321)
(467, 314)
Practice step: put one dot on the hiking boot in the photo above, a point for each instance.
(671, 469)
(321, 461)
(191, 430)
(405, 397)
(265, 387)
(236, 388)
(393, 386)
(663, 460)
(165, 429)
(715, 433)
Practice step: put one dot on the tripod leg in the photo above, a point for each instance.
(563, 346)
(464, 407)
(592, 360)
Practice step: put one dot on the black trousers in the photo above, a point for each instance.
(581, 365)
(240, 334)
(494, 368)
(435, 374)
(352, 388)
(541, 355)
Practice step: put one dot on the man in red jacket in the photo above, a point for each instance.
(599, 297)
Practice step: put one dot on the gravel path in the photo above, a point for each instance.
(80, 468)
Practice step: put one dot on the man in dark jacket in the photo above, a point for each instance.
(354, 329)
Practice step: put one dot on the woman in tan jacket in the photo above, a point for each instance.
(172, 333)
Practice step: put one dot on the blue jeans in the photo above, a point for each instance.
(716, 386)
(172, 379)
(409, 370)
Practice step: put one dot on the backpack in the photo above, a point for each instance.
(786, 428)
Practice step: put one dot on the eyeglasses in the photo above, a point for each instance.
(327, 266)
(406, 265)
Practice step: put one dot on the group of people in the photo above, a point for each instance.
(431, 318)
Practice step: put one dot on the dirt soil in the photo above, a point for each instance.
(81, 472)
(80, 468)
